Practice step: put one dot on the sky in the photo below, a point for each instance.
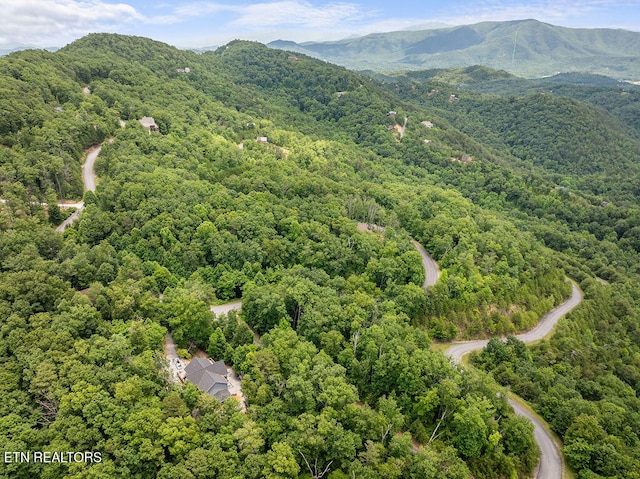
(197, 23)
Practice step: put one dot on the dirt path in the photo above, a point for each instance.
(403, 128)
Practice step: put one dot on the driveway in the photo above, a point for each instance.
(225, 308)
(171, 353)
(69, 221)
(235, 387)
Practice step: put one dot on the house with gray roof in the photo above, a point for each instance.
(208, 376)
(150, 123)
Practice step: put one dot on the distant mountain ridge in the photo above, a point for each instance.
(526, 48)
(7, 48)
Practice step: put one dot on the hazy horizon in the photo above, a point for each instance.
(186, 24)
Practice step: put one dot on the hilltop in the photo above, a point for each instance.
(241, 174)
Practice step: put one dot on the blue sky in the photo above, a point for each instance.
(205, 23)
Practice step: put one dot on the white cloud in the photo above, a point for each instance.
(570, 13)
(53, 22)
(56, 22)
(301, 14)
(270, 14)
(559, 12)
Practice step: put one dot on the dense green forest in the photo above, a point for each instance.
(251, 188)
(527, 48)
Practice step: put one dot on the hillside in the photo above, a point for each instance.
(591, 143)
(526, 48)
(250, 186)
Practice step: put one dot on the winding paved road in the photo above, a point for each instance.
(457, 350)
(89, 182)
(550, 459)
(550, 462)
(431, 270)
(550, 466)
(88, 175)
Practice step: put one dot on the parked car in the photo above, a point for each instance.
(178, 363)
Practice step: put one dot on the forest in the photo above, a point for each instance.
(251, 188)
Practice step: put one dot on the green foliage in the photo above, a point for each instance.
(527, 48)
(339, 375)
(576, 382)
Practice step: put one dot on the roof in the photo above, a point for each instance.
(197, 364)
(147, 121)
(208, 377)
(219, 367)
(211, 381)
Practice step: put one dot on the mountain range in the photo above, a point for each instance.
(526, 48)
(251, 188)
(6, 48)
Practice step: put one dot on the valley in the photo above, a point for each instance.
(349, 376)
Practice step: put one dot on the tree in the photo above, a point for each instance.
(55, 215)
(242, 335)
(471, 433)
(322, 442)
(281, 462)
(174, 406)
(519, 442)
(218, 347)
(179, 435)
(190, 320)
(391, 418)
(263, 307)
(249, 438)
(442, 464)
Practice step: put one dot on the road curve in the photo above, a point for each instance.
(459, 349)
(431, 270)
(225, 308)
(89, 184)
(549, 320)
(550, 459)
(88, 175)
(550, 466)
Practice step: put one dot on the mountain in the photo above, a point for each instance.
(526, 48)
(251, 189)
(6, 48)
